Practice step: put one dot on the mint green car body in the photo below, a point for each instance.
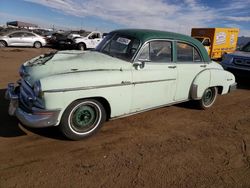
(123, 87)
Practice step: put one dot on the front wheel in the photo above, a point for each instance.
(81, 46)
(3, 44)
(82, 118)
(208, 98)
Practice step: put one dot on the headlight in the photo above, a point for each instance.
(38, 89)
(227, 59)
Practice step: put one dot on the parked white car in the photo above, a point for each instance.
(22, 38)
(88, 40)
(130, 71)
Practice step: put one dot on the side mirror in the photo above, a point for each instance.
(208, 44)
(10, 36)
(140, 64)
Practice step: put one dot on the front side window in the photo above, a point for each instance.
(18, 34)
(119, 46)
(187, 53)
(157, 51)
(95, 36)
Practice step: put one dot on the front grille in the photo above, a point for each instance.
(28, 98)
(242, 61)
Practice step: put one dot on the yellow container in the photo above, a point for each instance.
(217, 41)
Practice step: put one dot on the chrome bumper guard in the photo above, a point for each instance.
(37, 118)
(233, 87)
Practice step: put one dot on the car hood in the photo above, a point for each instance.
(241, 54)
(67, 62)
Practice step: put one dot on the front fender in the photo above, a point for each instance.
(62, 90)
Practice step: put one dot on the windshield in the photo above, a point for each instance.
(85, 34)
(119, 46)
(246, 48)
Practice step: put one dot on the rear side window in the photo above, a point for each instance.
(187, 53)
(28, 35)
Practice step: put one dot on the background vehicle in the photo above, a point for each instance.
(22, 38)
(217, 41)
(238, 62)
(60, 41)
(88, 40)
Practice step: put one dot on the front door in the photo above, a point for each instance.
(95, 39)
(154, 76)
(15, 39)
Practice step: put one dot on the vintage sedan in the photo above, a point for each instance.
(130, 71)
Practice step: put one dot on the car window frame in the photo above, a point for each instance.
(136, 59)
(195, 47)
(19, 32)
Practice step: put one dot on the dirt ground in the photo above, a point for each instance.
(177, 146)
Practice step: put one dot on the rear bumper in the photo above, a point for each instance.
(232, 87)
(36, 118)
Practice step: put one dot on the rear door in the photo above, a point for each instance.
(28, 39)
(189, 65)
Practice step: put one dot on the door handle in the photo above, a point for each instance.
(203, 66)
(172, 67)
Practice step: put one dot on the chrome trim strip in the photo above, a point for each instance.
(123, 83)
(153, 81)
(94, 70)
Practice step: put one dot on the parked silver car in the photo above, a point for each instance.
(22, 38)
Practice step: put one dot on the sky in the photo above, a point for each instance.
(106, 15)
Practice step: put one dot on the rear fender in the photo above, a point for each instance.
(200, 83)
(211, 78)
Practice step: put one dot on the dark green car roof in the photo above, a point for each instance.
(145, 35)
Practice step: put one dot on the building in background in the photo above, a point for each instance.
(19, 24)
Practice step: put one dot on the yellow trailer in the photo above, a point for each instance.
(217, 41)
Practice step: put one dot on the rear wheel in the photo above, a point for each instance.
(208, 98)
(37, 44)
(82, 118)
(3, 44)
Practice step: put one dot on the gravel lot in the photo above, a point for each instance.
(177, 146)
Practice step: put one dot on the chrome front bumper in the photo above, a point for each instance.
(36, 118)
